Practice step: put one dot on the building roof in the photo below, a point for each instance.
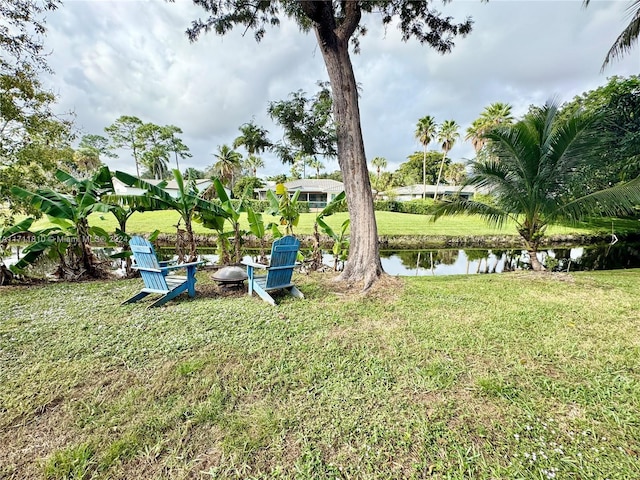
(308, 185)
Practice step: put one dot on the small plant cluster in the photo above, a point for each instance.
(546, 448)
(69, 241)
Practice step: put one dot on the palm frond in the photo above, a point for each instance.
(627, 38)
(615, 201)
(499, 178)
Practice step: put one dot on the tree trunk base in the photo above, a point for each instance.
(368, 275)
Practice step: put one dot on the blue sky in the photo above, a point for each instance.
(132, 57)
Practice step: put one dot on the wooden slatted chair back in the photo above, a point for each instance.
(284, 252)
(146, 257)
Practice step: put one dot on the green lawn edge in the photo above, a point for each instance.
(504, 376)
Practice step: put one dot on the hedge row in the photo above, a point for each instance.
(263, 205)
(417, 207)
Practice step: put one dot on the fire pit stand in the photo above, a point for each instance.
(230, 277)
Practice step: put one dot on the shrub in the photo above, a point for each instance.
(417, 207)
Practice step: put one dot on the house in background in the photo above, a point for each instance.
(318, 192)
(414, 192)
(172, 187)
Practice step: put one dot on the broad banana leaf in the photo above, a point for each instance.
(21, 227)
(47, 201)
(256, 225)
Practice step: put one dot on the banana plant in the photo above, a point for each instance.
(70, 238)
(187, 203)
(233, 217)
(332, 207)
(217, 223)
(6, 234)
(259, 230)
(340, 248)
(286, 207)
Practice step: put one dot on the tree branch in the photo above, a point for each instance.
(353, 15)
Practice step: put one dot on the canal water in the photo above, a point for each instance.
(479, 261)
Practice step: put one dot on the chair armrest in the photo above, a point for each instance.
(182, 265)
(254, 264)
(147, 269)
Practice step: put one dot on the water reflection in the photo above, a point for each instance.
(467, 261)
(477, 261)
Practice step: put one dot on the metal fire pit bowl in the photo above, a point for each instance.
(230, 277)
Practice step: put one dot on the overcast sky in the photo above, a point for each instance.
(114, 58)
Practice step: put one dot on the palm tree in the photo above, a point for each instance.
(380, 163)
(447, 134)
(529, 176)
(253, 138)
(227, 164)
(315, 164)
(629, 35)
(474, 133)
(496, 114)
(253, 163)
(425, 132)
(157, 162)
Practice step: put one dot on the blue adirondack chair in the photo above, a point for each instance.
(157, 276)
(283, 260)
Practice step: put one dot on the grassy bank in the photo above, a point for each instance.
(501, 376)
(389, 224)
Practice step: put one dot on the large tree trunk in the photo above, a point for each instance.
(363, 262)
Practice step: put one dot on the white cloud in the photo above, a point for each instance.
(117, 58)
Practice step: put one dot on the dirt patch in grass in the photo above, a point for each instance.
(25, 445)
(387, 288)
(543, 276)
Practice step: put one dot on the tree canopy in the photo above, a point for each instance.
(337, 25)
(618, 126)
(34, 139)
(309, 129)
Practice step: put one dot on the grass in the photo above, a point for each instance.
(501, 376)
(389, 223)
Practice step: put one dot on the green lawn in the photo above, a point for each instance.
(462, 377)
(388, 224)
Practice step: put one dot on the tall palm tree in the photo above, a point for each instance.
(228, 163)
(498, 113)
(447, 135)
(156, 160)
(253, 163)
(316, 164)
(253, 138)
(529, 176)
(629, 35)
(474, 133)
(380, 163)
(425, 132)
